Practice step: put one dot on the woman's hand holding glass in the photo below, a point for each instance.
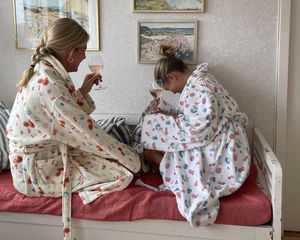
(156, 91)
(96, 66)
(89, 81)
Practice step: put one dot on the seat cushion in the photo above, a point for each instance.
(247, 206)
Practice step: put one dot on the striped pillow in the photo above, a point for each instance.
(4, 115)
(117, 128)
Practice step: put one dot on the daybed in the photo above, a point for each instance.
(22, 224)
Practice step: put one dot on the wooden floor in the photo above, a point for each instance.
(288, 235)
(290, 238)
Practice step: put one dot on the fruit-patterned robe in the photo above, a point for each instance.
(55, 146)
(206, 149)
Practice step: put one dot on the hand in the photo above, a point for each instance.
(158, 105)
(153, 106)
(89, 81)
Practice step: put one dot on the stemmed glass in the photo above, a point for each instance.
(155, 89)
(96, 66)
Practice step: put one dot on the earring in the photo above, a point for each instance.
(70, 59)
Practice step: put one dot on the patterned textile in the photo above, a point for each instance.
(117, 128)
(4, 115)
(136, 143)
(207, 154)
(56, 148)
(136, 136)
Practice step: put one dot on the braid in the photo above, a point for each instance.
(39, 52)
(61, 36)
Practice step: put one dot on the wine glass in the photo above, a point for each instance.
(96, 66)
(155, 89)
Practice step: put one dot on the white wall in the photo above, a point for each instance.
(291, 196)
(236, 37)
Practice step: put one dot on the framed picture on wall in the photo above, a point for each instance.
(168, 5)
(32, 16)
(181, 34)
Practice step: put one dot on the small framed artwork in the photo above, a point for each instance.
(32, 16)
(168, 5)
(181, 34)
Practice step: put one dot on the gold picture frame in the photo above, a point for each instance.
(168, 6)
(31, 16)
(180, 33)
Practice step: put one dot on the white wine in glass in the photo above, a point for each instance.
(96, 66)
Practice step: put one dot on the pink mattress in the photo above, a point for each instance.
(248, 206)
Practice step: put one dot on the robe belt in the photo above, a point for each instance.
(66, 185)
(66, 194)
(35, 148)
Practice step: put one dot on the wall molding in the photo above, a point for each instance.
(282, 72)
(281, 90)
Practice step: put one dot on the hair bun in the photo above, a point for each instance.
(167, 50)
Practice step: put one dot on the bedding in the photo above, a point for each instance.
(4, 115)
(117, 128)
(247, 206)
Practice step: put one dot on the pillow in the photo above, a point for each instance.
(117, 128)
(136, 143)
(4, 115)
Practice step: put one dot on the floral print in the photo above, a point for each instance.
(56, 148)
(207, 154)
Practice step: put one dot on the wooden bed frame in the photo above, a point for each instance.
(21, 226)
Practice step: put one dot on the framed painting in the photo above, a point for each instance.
(181, 34)
(32, 16)
(168, 5)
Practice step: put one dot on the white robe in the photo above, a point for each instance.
(207, 154)
(55, 146)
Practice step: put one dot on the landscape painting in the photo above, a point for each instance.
(168, 5)
(181, 34)
(32, 16)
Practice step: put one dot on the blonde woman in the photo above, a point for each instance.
(203, 152)
(55, 147)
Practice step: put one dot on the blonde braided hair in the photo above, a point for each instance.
(62, 36)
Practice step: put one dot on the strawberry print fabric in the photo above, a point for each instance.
(57, 149)
(207, 154)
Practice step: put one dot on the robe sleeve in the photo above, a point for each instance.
(72, 125)
(195, 126)
(75, 128)
(86, 103)
(199, 120)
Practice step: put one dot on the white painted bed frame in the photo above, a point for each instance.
(21, 226)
